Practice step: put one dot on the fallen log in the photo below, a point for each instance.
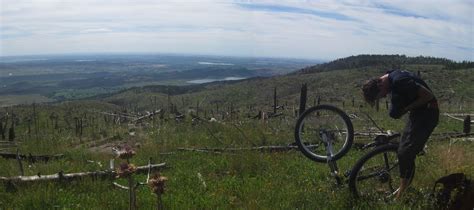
(260, 148)
(32, 158)
(107, 174)
(198, 150)
(119, 114)
(139, 119)
(457, 116)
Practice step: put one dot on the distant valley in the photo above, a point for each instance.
(65, 77)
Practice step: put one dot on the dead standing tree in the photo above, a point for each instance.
(275, 100)
(54, 120)
(36, 122)
(11, 131)
(3, 127)
(303, 97)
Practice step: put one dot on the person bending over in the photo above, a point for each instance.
(409, 93)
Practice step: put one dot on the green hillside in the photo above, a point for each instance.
(86, 130)
(333, 82)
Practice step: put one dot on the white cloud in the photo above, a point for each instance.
(312, 29)
(96, 30)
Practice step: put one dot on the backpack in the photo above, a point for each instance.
(454, 191)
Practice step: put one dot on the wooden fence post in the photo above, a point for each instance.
(35, 121)
(304, 90)
(467, 125)
(274, 100)
(11, 133)
(2, 130)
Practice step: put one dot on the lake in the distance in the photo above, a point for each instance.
(201, 81)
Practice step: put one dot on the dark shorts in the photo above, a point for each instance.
(418, 129)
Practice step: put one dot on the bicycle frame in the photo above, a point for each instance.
(379, 140)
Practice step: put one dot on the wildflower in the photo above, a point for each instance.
(157, 183)
(125, 152)
(126, 170)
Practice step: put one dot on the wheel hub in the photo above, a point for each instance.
(384, 177)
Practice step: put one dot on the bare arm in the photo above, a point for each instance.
(424, 96)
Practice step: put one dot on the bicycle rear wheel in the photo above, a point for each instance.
(320, 123)
(376, 176)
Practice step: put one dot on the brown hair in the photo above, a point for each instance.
(371, 90)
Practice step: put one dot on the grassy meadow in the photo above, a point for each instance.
(231, 180)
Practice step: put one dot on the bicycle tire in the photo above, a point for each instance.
(306, 142)
(382, 184)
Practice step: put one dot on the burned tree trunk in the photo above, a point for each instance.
(303, 98)
(274, 100)
(11, 133)
(467, 124)
(2, 131)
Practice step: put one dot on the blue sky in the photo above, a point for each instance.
(297, 29)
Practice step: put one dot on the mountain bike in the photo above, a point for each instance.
(325, 133)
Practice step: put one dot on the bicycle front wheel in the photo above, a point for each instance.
(320, 124)
(376, 176)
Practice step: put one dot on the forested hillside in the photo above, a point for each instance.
(385, 62)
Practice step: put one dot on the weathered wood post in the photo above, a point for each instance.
(303, 97)
(11, 132)
(467, 124)
(35, 121)
(231, 110)
(168, 99)
(76, 126)
(274, 100)
(81, 128)
(2, 130)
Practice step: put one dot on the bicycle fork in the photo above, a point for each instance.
(327, 140)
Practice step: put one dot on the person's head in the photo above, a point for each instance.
(371, 90)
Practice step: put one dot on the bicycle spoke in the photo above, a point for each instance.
(320, 126)
(378, 175)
